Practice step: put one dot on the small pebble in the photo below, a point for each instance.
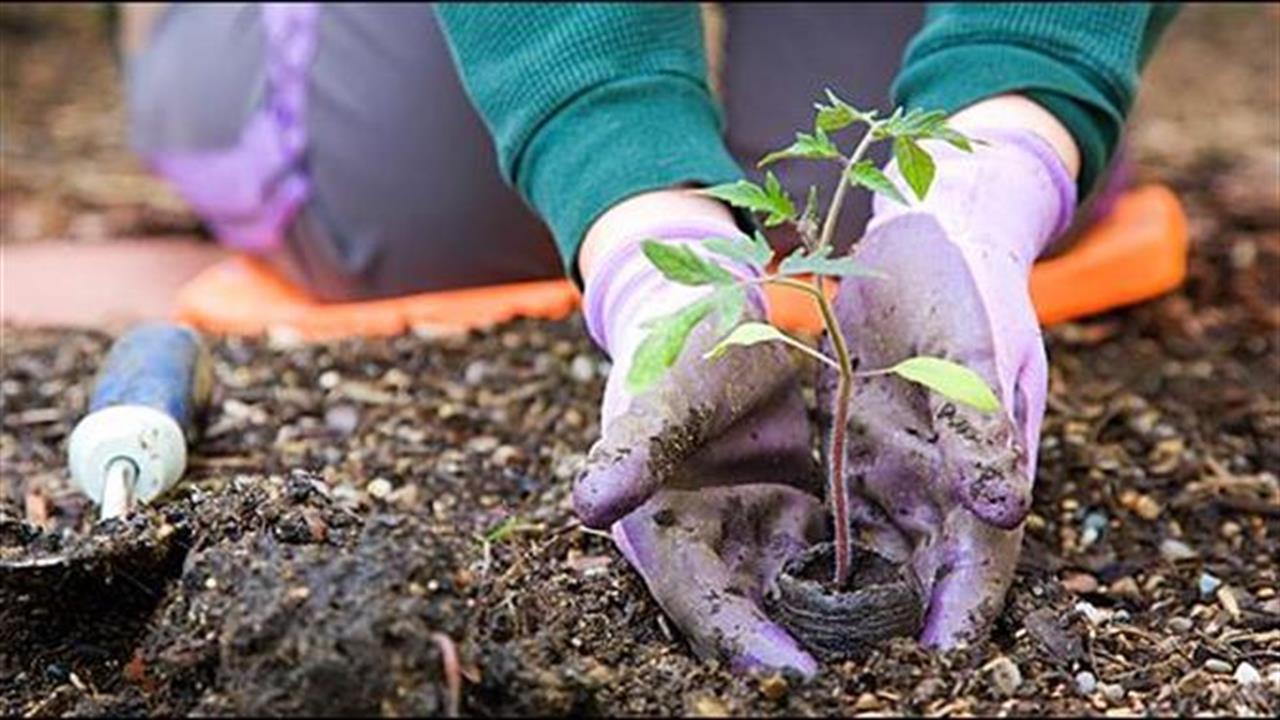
(866, 702)
(1080, 583)
(1091, 613)
(475, 372)
(1152, 582)
(1247, 674)
(482, 444)
(774, 687)
(1227, 599)
(1125, 587)
(342, 419)
(346, 493)
(1230, 529)
(378, 488)
(329, 379)
(1147, 508)
(506, 454)
(1141, 504)
(709, 707)
(600, 675)
(582, 368)
(929, 687)
(1214, 665)
(1005, 674)
(1094, 524)
(1176, 550)
(1086, 683)
(1208, 583)
(1273, 678)
(1179, 624)
(1113, 692)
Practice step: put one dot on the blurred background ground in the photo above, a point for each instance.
(1149, 581)
(65, 171)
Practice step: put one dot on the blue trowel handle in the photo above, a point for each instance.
(160, 365)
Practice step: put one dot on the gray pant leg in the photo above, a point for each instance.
(197, 78)
(406, 195)
(778, 59)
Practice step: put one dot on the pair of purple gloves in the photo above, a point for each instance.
(708, 480)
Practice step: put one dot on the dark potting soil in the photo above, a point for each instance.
(867, 567)
(356, 511)
(359, 511)
(879, 600)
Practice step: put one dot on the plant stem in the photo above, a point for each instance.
(844, 382)
(836, 452)
(837, 200)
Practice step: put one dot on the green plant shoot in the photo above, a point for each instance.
(726, 297)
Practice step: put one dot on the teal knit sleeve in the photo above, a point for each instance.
(1081, 61)
(589, 104)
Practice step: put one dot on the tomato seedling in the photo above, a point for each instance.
(726, 297)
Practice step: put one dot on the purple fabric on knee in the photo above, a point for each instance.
(248, 193)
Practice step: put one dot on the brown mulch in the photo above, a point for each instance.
(357, 511)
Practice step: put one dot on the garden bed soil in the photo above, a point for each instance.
(385, 526)
(350, 503)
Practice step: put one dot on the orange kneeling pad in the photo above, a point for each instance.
(244, 296)
(1136, 252)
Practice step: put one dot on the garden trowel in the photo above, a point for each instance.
(131, 446)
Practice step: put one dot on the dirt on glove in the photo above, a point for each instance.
(359, 512)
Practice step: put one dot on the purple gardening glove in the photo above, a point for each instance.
(936, 484)
(707, 479)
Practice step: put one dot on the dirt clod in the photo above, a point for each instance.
(1174, 400)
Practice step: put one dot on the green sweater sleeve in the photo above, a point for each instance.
(589, 104)
(1081, 61)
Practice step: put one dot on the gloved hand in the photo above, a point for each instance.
(712, 468)
(936, 484)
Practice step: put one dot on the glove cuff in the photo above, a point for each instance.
(1013, 192)
(1060, 184)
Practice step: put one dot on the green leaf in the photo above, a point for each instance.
(921, 123)
(748, 333)
(679, 263)
(883, 129)
(743, 194)
(502, 530)
(812, 147)
(754, 251)
(914, 163)
(865, 173)
(782, 207)
(833, 118)
(817, 262)
(770, 199)
(913, 124)
(752, 333)
(952, 380)
(660, 348)
(956, 139)
(839, 114)
(728, 303)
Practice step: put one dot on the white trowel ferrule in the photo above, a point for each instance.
(132, 445)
